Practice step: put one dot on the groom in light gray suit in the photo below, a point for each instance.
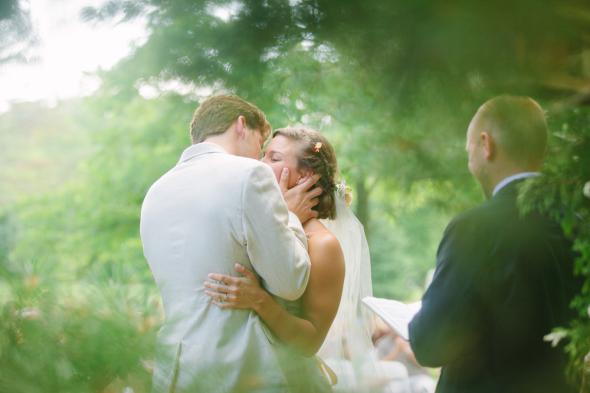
(217, 207)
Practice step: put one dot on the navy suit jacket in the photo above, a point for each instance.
(503, 281)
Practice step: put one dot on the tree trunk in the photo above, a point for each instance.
(586, 379)
(361, 194)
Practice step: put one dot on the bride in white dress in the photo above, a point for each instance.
(328, 320)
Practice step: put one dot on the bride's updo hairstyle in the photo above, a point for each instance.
(320, 159)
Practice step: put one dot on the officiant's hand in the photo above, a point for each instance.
(240, 292)
(300, 199)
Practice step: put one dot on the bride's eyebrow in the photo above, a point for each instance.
(274, 152)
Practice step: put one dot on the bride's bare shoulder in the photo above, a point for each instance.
(318, 235)
(323, 239)
(324, 247)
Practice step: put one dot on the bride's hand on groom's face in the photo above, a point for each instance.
(240, 292)
(300, 199)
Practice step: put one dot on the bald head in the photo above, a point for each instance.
(518, 126)
(507, 136)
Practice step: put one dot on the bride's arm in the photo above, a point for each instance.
(320, 300)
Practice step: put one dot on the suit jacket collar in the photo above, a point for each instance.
(509, 189)
(199, 149)
(509, 179)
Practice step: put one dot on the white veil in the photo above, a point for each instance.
(348, 349)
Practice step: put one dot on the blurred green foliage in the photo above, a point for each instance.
(58, 337)
(392, 84)
(40, 148)
(565, 192)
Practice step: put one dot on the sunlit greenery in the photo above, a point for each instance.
(392, 84)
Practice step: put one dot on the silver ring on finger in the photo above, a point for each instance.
(225, 297)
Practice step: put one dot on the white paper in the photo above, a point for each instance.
(396, 315)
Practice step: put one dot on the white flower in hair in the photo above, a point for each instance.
(345, 192)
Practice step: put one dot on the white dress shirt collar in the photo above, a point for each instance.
(510, 179)
(200, 148)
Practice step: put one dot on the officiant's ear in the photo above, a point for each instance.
(304, 175)
(240, 127)
(489, 145)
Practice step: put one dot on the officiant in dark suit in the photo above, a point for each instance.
(503, 280)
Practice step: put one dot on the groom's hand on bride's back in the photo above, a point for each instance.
(300, 199)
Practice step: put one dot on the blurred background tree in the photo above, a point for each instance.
(17, 35)
(393, 84)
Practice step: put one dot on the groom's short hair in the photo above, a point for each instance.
(518, 124)
(216, 114)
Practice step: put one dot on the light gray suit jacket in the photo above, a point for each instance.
(210, 211)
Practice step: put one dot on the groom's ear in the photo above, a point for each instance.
(240, 129)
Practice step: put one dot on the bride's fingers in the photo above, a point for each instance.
(229, 280)
(221, 304)
(221, 296)
(222, 300)
(221, 288)
(244, 270)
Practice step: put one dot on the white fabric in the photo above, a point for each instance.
(510, 179)
(394, 370)
(210, 211)
(348, 347)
